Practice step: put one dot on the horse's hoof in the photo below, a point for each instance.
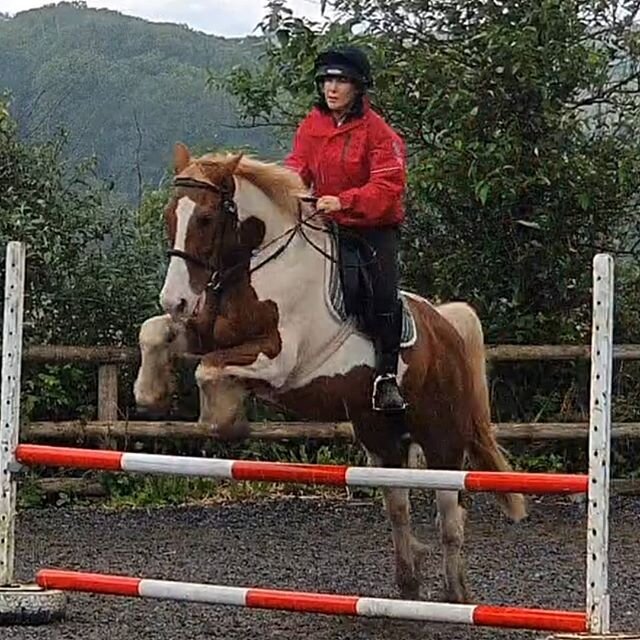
(410, 590)
(457, 595)
(233, 431)
(410, 594)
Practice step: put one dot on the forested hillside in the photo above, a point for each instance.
(124, 89)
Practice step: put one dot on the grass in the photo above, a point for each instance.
(151, 491)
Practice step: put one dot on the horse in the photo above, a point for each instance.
(247, 288)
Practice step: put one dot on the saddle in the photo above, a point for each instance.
(349, 290)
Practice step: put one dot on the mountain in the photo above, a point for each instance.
(124, 89)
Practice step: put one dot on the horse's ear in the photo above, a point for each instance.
(233, 162)
(181, 157)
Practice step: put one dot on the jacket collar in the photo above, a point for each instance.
(325, 123)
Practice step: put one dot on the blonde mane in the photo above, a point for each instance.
(278, 183)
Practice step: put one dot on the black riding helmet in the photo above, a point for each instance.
(348, 61)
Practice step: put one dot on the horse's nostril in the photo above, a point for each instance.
(182, 305)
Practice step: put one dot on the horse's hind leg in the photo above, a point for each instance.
(451, 518)
(408, 551)
(444, 449)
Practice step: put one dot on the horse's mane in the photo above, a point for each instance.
(280, 184)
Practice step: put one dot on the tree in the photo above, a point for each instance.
(124, 89)
(94, 267)
(93, 271)
(521, 120)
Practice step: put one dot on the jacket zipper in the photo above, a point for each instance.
(347, 142)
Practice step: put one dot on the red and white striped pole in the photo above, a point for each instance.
(338, 475)
(479, 615)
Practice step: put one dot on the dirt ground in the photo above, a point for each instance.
(337, 546)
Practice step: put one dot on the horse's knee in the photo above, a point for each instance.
(221, 402)
(159, 337)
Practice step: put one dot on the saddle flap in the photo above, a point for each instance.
(357, 288)
(349, 289)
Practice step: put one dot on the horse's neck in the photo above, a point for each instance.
(300, 264)
(253, 203)
(294, 281)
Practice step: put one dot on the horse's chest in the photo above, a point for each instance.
(246, 318)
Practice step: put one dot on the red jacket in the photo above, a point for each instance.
(362, 162)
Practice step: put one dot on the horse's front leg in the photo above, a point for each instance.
(159, 339)
(409, 552)
(224, 378)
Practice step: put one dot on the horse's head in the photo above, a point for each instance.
(224, 210)
(202, 224)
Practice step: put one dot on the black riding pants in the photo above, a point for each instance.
(380, 247)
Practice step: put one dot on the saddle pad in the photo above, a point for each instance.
(335, 299)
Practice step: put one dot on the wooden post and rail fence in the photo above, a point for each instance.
(109, 425)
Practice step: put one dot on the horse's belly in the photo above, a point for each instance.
(331, 397)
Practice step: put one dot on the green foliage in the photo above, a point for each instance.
(144, 491)
(520, 119)
(57, 392)
(281, 89)
(92, 270)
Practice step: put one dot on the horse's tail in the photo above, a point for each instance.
(484, 452)
(485, 455)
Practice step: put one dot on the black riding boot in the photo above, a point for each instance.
(386, 392)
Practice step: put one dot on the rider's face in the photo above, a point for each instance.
(339, 92)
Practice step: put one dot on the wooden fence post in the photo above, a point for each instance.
(108, 399)
(107, 392)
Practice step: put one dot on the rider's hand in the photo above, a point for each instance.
(328, 204)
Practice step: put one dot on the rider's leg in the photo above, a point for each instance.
(387, 325)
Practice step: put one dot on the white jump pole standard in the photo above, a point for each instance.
(600, 445)
(10, 412)
(20, 604)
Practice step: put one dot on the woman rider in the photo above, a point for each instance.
(355, 163)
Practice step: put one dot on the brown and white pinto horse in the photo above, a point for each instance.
(245, 288)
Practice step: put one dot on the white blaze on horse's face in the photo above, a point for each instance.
(177, 297)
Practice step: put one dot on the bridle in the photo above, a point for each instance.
(229, 211)
(219, 275)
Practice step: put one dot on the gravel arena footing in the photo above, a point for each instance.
(313, 544)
